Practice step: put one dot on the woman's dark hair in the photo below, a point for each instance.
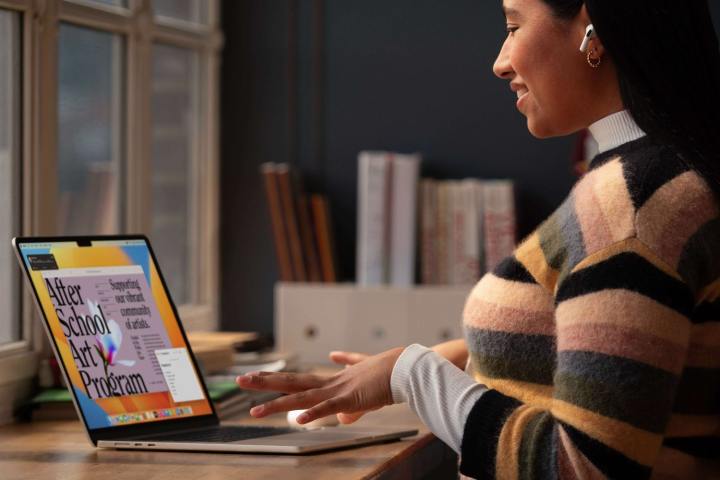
(668, 62)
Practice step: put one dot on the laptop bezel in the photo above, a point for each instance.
(128, 431)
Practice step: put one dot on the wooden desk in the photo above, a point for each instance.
(48, 450)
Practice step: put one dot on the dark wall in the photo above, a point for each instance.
(313, 82)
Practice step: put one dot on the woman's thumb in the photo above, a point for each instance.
(347, 358)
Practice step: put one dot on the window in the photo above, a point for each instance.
(90, 100)
(190, 11)
(132, 152)
(174, 127)
(10, 326)
(108, 124)
(115, 3)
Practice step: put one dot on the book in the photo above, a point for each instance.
(290, 216)
(374, 173)
(467, 240)
(453, 229)
(228, 398)
(50, 404)
(499, 221)
(233, 340)
(443, 227)
(214, 350)
(213, 358)
(322, 224)
(299, 241)
(402, 206)
(305, 229)
(467, 227)
(309, 242)
(280, 237)
(455, 232)
(428, 232)
(480, 209)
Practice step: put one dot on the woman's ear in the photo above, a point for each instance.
(595, 44)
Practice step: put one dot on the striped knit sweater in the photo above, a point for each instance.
(600, 337)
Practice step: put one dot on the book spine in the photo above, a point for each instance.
(308, 239)
(373, 188)
(443, 221)
(302, 207)
(280, 237)
(403, 219)
(500, 228)
(323, 234)
(453, 226)
(291, 221)
(480, 209)
(467, 250)
(428, 232)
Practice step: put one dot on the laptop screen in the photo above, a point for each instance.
(115, 330)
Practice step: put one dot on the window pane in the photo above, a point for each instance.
(10, 325)
(195, 11)
(116, 3)
(90, 113)
(113, 3)
(174, 135)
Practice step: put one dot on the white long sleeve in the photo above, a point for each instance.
(441, 394)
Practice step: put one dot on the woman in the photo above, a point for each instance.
(595, 347)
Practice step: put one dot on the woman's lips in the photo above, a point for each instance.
(521, 94)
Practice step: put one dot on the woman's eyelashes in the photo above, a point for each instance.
(510, 29)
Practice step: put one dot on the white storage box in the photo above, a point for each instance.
(313, 319)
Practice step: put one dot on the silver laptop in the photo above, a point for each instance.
(133, 376)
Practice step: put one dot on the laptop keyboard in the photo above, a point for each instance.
(222, 434)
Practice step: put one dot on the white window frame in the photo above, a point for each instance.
(41, 20)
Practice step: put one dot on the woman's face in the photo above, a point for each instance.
(556, 88)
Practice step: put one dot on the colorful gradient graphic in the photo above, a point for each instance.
(105, 412)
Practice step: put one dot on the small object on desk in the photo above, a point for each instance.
(49, 404)
(233, 340)
(213, 358)
(329, 421)
(276, 366)
(215, 350)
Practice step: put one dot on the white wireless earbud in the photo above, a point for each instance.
(589, 33)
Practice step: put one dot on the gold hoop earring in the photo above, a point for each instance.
(593, 62)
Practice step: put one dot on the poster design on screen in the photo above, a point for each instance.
(112, 325)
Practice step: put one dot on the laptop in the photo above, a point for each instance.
(124, 354)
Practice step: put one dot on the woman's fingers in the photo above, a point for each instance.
(280, 382)
(347, 358)
(323, 409)
(363, 386)
(297, 401)
(348, 418)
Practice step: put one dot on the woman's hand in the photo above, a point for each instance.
(358, 388)
(454, 350)
(348, 359)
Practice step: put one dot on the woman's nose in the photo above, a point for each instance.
(502, 67)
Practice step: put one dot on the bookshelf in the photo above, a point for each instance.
(313, 319)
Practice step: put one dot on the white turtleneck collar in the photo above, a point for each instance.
(615, 130)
